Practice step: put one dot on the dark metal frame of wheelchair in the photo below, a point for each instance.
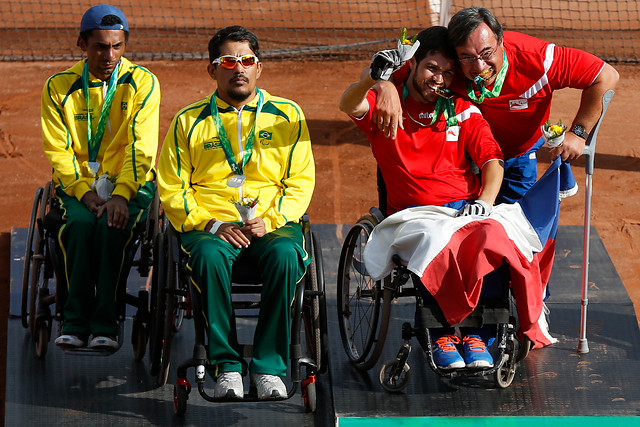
(42, 262)
(363, 328)
(173, 299)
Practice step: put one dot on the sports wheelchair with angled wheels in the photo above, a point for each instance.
(308, 334)
(364, 311)
(43, 262)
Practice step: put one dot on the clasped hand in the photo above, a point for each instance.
(240, 237)
(116, 207)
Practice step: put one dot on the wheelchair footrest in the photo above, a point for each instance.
(430, 316)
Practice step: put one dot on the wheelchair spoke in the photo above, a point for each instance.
(359, 296)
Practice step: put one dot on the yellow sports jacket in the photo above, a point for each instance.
(193, 170)
(130, 142)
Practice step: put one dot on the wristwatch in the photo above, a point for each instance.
(579, 130)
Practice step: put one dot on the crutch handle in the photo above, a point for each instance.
(590, 145)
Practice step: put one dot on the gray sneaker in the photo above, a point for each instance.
(229, 385)
(268, 386)
(103, 342)
(70, 341)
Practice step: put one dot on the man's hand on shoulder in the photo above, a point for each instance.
(387, 113)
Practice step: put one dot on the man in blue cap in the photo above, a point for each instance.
(100, 133)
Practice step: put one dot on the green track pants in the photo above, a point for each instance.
(280, 259)
(93, 255)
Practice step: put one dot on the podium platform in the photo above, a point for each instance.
(552, 385)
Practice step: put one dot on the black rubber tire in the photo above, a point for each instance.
(42, 339)
(139, 336)
(311, 316)
(310, 398)
(322, 306)
(394, 385)
(358, 296)
(26, 270)
(157, 304)
(169, 310)
(180, 396)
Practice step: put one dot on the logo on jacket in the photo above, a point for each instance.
(265, 137)
(123, 106)
(212, 144)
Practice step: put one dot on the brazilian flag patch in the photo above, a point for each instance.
(265, 135)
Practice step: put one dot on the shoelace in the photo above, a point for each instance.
(474, 343)
(447, 343)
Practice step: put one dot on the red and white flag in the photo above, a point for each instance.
(451, 255)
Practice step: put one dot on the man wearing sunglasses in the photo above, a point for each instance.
(100, 122)
(243, 145)
(430, 160)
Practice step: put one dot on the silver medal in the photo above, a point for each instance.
(236, 181)
(94, 167)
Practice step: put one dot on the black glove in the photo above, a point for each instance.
(478, 207)
(385, 62)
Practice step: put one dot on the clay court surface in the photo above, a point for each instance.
(345, 186)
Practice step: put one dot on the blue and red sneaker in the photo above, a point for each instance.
(445, 353)
(476, 354)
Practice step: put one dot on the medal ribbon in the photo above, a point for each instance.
(443, 105)
(224, 139)
(96, 139)
(497, 85)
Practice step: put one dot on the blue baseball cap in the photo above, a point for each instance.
(92, 18)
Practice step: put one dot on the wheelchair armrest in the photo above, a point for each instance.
(377, 214)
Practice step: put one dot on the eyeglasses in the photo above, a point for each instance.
(484, 57)
(229, 61)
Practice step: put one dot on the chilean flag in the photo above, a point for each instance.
(451, 255)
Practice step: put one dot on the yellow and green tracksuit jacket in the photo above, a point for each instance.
(130, 142)
(193, 170)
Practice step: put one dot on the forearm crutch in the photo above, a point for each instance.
(589, 153)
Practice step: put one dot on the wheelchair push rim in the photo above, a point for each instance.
(358, 295)
(28, 257)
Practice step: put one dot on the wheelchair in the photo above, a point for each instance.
(364, 310)
(174, 299)
(43, 262)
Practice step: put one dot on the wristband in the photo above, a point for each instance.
(216, 225)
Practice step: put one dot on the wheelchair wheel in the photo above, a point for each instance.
(180, 309)
(310, 397)
(157, 304)
(359, 298)
(165, 355)
(42, 338)
(506, 371)
(139, 340)
(314, 309)
(139, 327)
(28, 257)
(170, 286)
(180, 396)
(394, 378)
(40, 270)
